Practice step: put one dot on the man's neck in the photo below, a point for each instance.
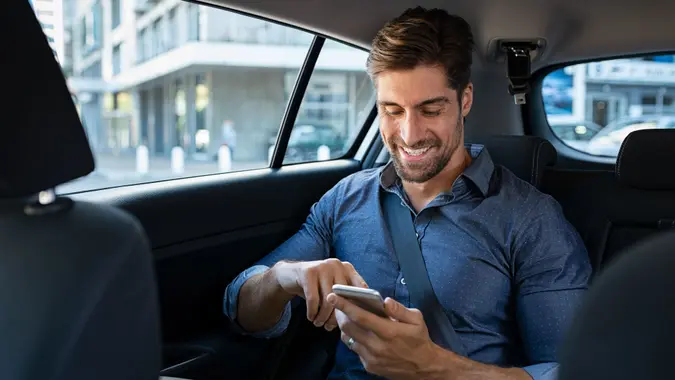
(420, 194)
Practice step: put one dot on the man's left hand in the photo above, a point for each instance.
(397, 347)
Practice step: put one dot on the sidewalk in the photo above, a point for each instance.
(120, 170)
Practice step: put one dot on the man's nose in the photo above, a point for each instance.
(411, 130)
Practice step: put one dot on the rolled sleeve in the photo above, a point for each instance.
(542, 371)
(230, 305)
(552, 274)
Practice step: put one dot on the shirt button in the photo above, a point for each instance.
(417, 234)
(402, 281)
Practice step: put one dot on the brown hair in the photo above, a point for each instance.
(424, 37)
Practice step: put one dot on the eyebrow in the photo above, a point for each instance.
(438, 99)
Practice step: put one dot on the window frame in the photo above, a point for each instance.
(363, 144)
(535, 120)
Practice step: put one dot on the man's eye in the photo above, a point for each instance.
(395, 112)
(431, 112)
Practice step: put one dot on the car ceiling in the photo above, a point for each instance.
(573, 30)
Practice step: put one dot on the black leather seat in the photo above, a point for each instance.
(526, 156)
(624, 329)
(614, 209)
(77, 288)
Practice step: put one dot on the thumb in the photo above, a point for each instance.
(397, 311)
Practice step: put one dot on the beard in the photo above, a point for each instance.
(439, 155)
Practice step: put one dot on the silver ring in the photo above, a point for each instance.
(350, 343)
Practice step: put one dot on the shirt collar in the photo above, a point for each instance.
(479, 171)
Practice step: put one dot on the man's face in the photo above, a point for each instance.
(421, 120)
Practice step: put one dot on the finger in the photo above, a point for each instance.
(353, 330)
(325, 308)
(401, 313)
(355, 278)
(331, 323)
(312, 296)
(358, 346)
(359, 316)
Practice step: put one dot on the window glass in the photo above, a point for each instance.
(338, 99)
(210, 102)
(593, 107)
(116, 9)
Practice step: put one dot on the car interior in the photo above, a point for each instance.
(103, 281)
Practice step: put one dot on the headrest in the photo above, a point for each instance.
(525, 156)
(642, 158)
(624, 328)
(43, 143)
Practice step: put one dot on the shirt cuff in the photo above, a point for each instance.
(543, 371)
(230, 305)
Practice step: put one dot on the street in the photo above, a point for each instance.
(112, 171)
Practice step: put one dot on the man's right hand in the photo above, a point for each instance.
(313, 281)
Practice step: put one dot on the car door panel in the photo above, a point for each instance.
(203, 232)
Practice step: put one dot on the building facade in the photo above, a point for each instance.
(607, 91)
(50, 15)
(170, 73)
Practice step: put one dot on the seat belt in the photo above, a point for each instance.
(414, 270)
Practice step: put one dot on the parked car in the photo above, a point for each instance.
(306, 139)
(608, 141)
(576, 134)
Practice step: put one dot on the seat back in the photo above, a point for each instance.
(613, 210)
(624, 328)
(77, 288)
(526, 156)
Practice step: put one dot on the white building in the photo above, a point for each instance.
(168, 73)
(50, 15)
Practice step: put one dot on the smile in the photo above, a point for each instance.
(415, 152)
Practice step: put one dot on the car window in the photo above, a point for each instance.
(174, 89)
(338, 99)
(592, 107)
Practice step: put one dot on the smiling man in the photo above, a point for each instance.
(505, 265)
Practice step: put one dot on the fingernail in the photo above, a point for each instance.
(332, 298)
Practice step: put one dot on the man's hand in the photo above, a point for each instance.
(313, 281)
(400, 347)
(396, 348)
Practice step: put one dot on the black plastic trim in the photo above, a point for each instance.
(373, 152)
(295, 102)
(365, 127)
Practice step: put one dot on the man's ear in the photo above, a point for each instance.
(467, 99)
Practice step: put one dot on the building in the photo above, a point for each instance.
(167, 73)
(50, 15)
(606, 91)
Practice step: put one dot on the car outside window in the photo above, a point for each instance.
(192, 90)
(592, 107)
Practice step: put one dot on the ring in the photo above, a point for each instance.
(350, 343)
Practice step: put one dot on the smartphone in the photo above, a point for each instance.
(367, 299)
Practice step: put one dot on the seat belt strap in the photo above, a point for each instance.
(404, 239)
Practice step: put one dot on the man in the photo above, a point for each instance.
(505, 265)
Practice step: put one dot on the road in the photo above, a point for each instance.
(112, 171)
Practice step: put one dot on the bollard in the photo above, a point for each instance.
(177, 160)
(142, 159)
(270, 152)
(224, 159)
(323, 153)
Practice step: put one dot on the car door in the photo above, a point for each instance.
(179, 115)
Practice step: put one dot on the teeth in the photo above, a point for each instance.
(415, 152)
